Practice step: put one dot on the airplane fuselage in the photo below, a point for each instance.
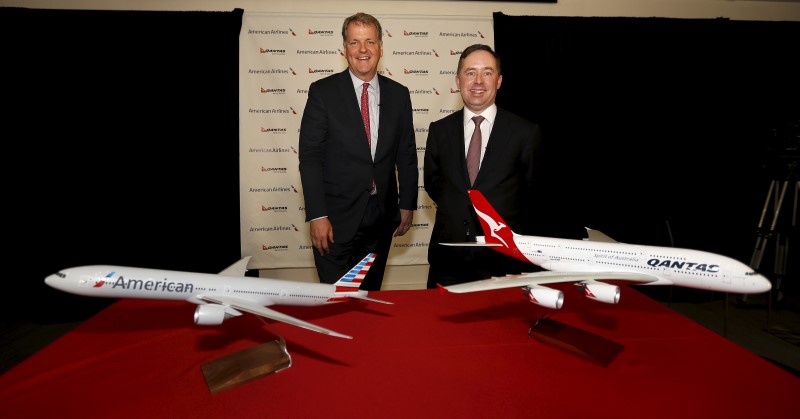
(130, 282)
(672, 266)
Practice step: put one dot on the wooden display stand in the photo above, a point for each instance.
(240, 367)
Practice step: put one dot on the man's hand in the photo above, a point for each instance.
(406, 216)
(321, 235)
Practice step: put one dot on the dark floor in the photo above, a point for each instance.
(768, 329)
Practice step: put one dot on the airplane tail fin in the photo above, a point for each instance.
(347, 285)
(496, 232)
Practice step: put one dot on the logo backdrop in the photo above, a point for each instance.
(280, 55)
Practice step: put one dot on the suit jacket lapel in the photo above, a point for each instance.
(455, 131)
(499, 131)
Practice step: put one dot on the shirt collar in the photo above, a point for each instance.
(489, 114)
(357, 82)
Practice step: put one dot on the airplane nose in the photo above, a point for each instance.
(764, 284)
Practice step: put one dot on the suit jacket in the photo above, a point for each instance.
(507, 176)
(336, 166)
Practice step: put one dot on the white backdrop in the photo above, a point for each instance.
(279, 56)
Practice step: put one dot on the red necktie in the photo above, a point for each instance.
(474, 151)
(365, 117)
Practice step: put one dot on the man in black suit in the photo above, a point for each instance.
(351, 163)
(508, 159)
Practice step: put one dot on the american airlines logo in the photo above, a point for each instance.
(424, 207)
(421, 92)
(268, 71)
(150, 285)
(269, 32)
(269, 228)
(316, 52)
(268, 150)
(420, 130)
(686, 266)
(416, 244)
(412, 53)
(459, 35)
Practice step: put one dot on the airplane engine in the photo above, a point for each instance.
(544, 296)
(600, 291)
(210, 315)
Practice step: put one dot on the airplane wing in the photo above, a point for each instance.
(269, 313)
(472, 244)
(546, 277)
(364, 297)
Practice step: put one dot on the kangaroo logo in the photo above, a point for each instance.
(493, 225)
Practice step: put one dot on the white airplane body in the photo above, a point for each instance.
(218, 296)
(599, 258)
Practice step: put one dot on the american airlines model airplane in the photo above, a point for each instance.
(219, 296)
(599, 258)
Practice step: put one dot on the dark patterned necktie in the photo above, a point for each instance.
(474, 151)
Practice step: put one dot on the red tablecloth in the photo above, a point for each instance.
(428, 355)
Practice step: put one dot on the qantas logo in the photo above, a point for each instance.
(494, 226)
(687, 266)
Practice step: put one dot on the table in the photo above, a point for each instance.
(427, 355)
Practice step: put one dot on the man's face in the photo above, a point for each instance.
(363, 50)
(478, 81)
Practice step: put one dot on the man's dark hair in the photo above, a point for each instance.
(478, 47)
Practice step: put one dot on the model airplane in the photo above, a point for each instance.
(219, 296)
(599, 258)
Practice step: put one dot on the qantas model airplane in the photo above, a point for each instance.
(218, 296)
(599, 258)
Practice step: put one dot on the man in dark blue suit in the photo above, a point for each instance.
(357, 145)
(507, 164)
